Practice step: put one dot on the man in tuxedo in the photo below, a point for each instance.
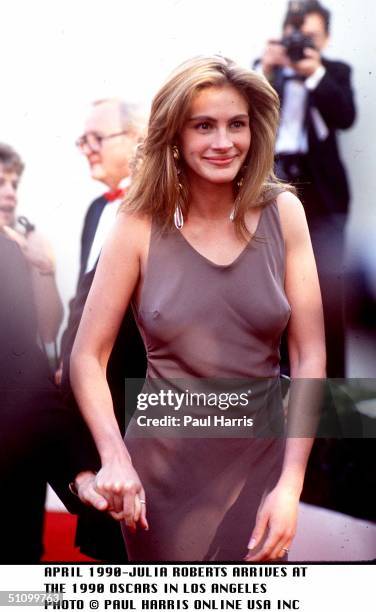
(111, 134)
(316, 101)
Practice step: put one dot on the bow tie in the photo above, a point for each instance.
(111, 196)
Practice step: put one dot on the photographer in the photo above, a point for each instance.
(316, 100)
(36, 249)
(40, 439)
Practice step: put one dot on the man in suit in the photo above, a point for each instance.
(35, 247)
(111, 134)
(316, 101)
(40, 440)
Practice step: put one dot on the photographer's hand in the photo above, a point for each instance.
(39, 255)
(308, 66)
(35, 248)
(274, 55)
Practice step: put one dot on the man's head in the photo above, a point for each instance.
(11, 168)
(311, 18)
(112, 131)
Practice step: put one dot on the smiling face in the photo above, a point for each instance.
(216, 136)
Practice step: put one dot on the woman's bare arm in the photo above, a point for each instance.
(115, 281)
(306, 341)
(306, 335)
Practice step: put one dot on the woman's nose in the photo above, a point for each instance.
(222, 139)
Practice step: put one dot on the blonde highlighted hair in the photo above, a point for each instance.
(155, 189)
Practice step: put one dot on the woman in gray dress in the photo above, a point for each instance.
(215, 256)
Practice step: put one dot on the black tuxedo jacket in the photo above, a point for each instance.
(99, 535)
(40, 439)
(75, 311)
(128, 357)
(333, 98)
(88, 232)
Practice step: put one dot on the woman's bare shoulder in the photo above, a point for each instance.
(292, 217)
(133, 222)
(132, 228)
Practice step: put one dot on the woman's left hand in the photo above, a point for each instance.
(277, 515)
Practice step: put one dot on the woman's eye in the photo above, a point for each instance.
(238, 124)
(204, 126)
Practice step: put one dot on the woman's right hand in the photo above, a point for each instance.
(119, 483)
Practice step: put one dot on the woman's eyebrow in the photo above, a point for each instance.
(213, 119)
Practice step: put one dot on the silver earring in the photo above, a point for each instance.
(178, 217)
(178, 214)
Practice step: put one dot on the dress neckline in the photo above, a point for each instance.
(237, 258)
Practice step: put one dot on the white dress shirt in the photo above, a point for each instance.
(292, 135)
(105, 224)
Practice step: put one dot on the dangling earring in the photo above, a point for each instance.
(234, 211)
(178, 217)
(239, 185)
(178, 214)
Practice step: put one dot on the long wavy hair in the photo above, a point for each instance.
(157, 186)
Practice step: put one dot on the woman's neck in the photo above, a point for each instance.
(211, 201)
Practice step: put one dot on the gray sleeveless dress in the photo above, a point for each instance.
(203, 321)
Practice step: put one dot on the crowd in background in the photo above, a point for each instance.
(317, 100)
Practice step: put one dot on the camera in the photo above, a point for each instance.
(23, 226)
(296, 41)
(295, 44)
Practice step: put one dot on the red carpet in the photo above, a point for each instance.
(59, 532)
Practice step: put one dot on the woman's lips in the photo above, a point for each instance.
(219, 161)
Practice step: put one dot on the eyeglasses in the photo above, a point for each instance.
(93, 141)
